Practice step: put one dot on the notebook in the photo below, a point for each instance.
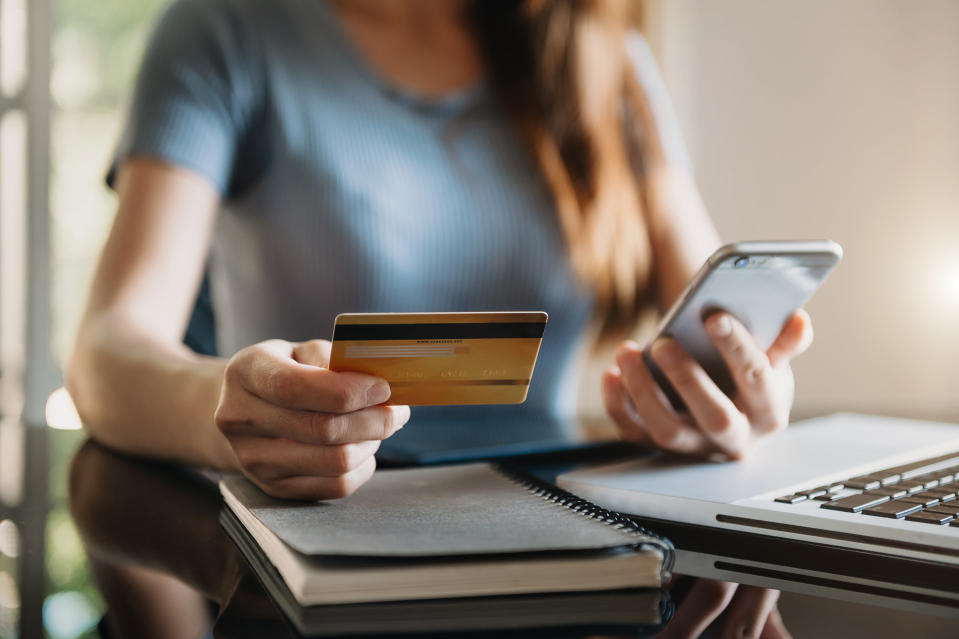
(446, 532)
(603, 612)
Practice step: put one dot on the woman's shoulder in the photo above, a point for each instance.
(210, 18)
(239, 28)
(650, 79)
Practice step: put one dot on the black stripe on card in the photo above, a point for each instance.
(484, 330)
(465, 382)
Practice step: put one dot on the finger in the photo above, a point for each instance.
(750, 369)
(314, 488)
(711, 409)
(747, 613)
(705, 601)
(666, 429)
(775, 628)
(315, 352)
(271, 459)
(259, 418)
(620, 408)
(793, 340)
(269, 371)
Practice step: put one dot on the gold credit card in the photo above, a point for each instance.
(442, 358)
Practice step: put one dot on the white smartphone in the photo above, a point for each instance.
(760, 283)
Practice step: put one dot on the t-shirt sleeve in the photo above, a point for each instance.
(195, 93)
(664, 117)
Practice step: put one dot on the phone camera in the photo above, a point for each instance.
(741, 262)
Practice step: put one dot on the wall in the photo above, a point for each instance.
(838, 119)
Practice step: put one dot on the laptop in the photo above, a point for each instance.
(818, 577)
(860, 482)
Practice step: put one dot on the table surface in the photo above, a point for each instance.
(84, 530)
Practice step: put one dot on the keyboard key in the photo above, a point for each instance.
(952, 470)
(791, 499)
(865, 482)
(954, 522)
(856, 503)
(928, 481)
(945, 494)
(888, 475)
(947, 476)
(842, 494)
(893, 492)
(893, 509)
(911, 486)
(812, 493)
(946, 510)
(929, 517)
(926, 499)
(886, 478)
(921, 467)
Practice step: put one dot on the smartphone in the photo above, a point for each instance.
(759, 283)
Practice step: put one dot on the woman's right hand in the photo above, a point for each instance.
(298, 429)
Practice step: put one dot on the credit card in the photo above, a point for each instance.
(433, 359)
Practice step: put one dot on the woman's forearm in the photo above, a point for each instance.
(681, 232)
(147, 397)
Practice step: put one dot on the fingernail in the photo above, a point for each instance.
(721, 326)
(378, 393)
(402, 415)
(626, 353)
(662, 353)
(626, 348)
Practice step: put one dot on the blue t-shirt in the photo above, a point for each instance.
(344, 193)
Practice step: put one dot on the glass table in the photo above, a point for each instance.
(96, 544)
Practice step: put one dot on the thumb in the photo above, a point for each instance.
(315, 352)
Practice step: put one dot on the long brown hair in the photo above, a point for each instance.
(562, 70)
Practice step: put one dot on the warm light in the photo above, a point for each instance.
(950, 282)
(61, 413)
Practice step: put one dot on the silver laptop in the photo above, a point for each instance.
(855, 481)
(928, 598)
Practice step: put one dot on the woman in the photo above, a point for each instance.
(358, 156)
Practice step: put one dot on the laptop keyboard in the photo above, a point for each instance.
(925, 491)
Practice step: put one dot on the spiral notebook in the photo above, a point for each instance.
(553, 615)
(445, 532)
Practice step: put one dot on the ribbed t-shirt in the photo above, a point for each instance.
(344, 193)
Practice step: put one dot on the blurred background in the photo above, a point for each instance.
(823, 118)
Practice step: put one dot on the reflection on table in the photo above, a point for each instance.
(166, 567)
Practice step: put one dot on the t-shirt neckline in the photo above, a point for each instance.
(452, 101)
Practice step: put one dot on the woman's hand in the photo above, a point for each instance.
(299, 430)
(729, 610)
(714, 422)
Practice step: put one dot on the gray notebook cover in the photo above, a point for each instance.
(452, 510)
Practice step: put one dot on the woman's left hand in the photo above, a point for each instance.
(725, 609)
(714, 423)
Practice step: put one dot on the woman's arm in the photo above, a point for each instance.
(682, 238)
(273, 410)
(681, 233)
(136, 386)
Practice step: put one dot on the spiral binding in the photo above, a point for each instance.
(588, 509)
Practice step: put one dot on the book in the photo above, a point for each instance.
(603, 612)
(441, 533)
